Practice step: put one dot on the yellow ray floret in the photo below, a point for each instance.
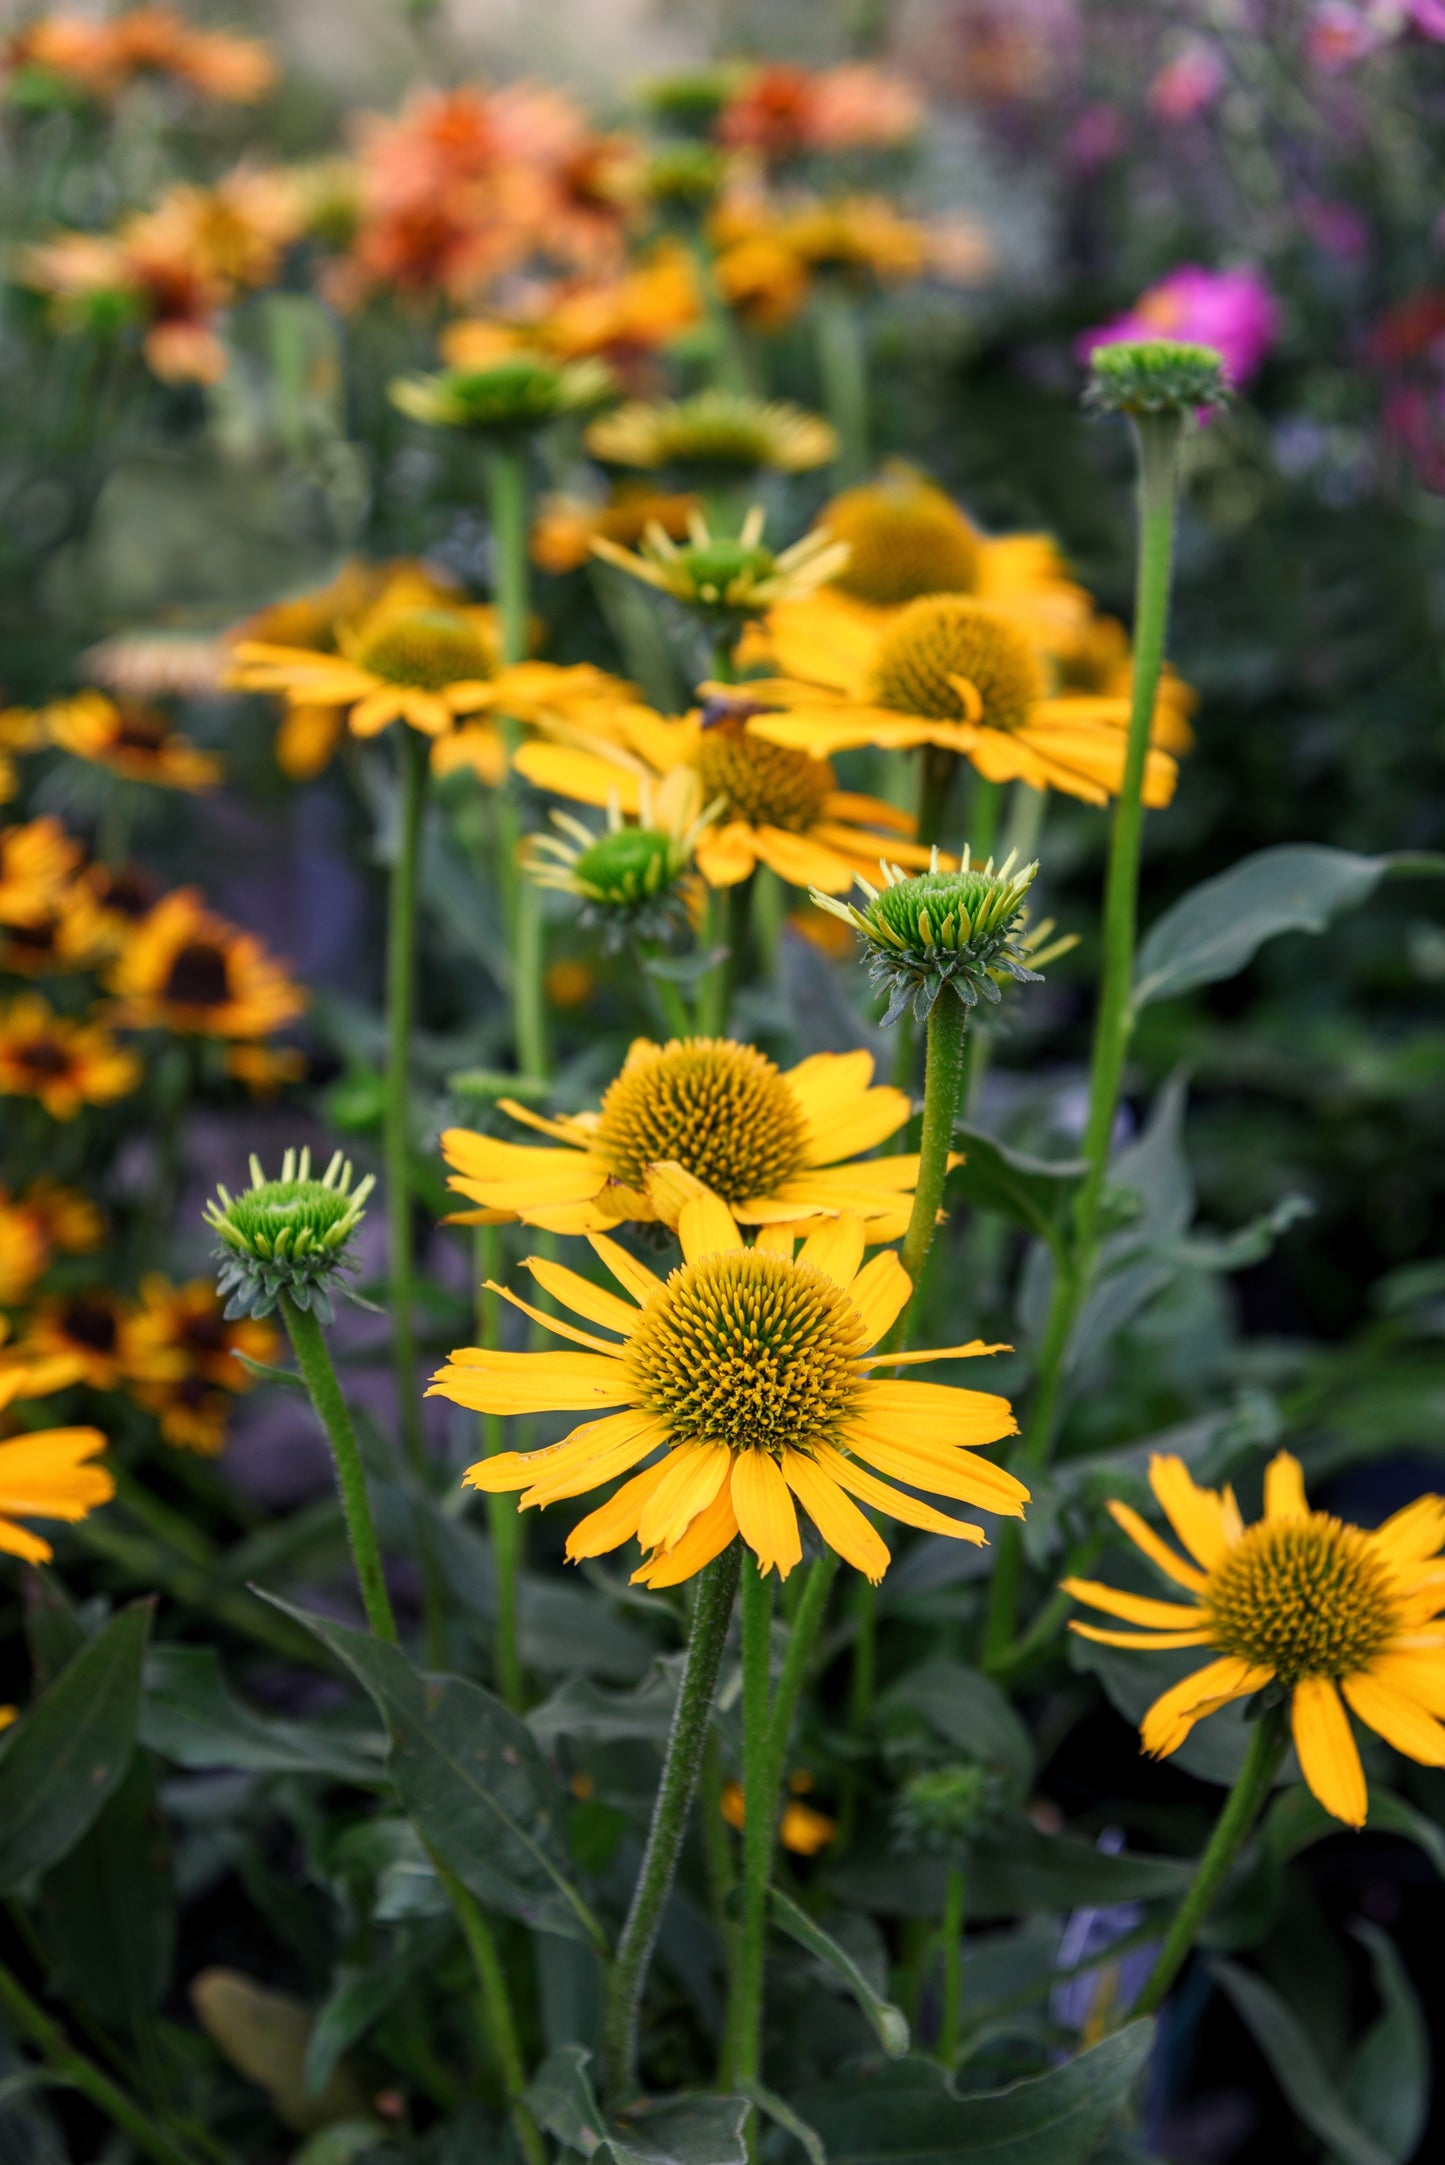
(732, 1392)
(1342, 1619)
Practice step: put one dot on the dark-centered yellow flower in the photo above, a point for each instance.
(775, 1147)
(1332, 1614)
(96, 1331)
(191, 1347)
(132, 738)
(62, 1062)
(743, 1378)
(186, 969)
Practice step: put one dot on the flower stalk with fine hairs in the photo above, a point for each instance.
(282, 1242)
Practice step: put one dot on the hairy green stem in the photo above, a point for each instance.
(843, 376)
(412, 757)
(1242, 1807)
(72, 2067)
(942, 1091)
(680, 1769)
(950, 2025)
(504, 1520)
(742, 2044)
(727, 925)
(317, 1373)
(507, 507)
(499, 2022)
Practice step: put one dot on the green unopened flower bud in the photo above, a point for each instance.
(934, 931)
(685, 176)
(287, 1236)
(514, 397)
(630, 880)
(944, 1808)
(1155, 376)
(691, 99)
(727, 580)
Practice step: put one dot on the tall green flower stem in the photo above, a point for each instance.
(767, 1728)
(498, 2021)
(950, 2024)
(507, 506)
(1242, 1808)
(726, 925)
(671, 1007)
(314, 1361)
(942, 1091)
(680, 1770)
(730, 367)
(72, 2069)
(1157, 438)
(843, 375)
(504, 1520)
(413, 769)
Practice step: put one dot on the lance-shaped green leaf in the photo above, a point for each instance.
(1298, 2067)
(1034, 1192)
(189, 1715)
(665, 2131)
(1387, 2082)
(109, 1910)
(889, 2023)
(70, 1750)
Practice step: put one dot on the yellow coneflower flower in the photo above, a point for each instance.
(37, 864)
(566, 527)
(66, 935)
(964, 675)
(95, 1330)
(714, 432)
(69, 1220)
(131, 738)
(186, 969)
(747, 1369)
(190, 1349)
(62, 1062)
(727, 577)
(775, 1148)
(46, 1475)
(1332, 1614)
(24, 1251)
(776, 805)
(1099, 660)
(118, 898)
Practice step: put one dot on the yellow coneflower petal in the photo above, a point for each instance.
(551, 1323)
(616, 1520)
(1148, 1642)
(776, 1240)
(1399, 1720)
(694, 1474)
(837, 1518)
(1174, 1713)
(836, 1248)
(1420, 1677)
(552, 1382)
(705, 1227)
(1414, 1533)
(1142, 1534)
(1328, 1755)
(935, 1412)
(957, 1473)
(1136, 1608)
(506, 1470)
(597, 1461)
(825, 1082)
(1284, 1488)
(640, 1282)
(880, 1293)
(907, 1509)
(766, 1518)
(847, 804)
(707, 1537)
(856, 1127)
(584, 1298)
(1196, 1514)
(572, 1132)
(19, 1541)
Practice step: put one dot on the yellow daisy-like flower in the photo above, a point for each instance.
(24, 1251)
(46, 1475)
(186, 969)
(951, 671)
(64, 1063)
(191, 1349)
(774, 1148)
(97, 1333)
(1099, 660)
(748, 1371)
(68, 1219)
(67, 935)
(777, 805)
(132, 738)
(37, 863)
(714, 432)
(1330, 1613)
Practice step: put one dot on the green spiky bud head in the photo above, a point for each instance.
(939, 931)
(1155, 376)
(632, 866)
(286, 1236)
(943, 1809)
(514, 397)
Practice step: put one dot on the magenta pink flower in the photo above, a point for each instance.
(1342, 33)
(1233, 311)
(1188, 84)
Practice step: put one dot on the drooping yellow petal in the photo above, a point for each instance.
(20, 1541)
(616, 1448)
(707, 1537)
(1174, 1713)
(1144, 1642)
(969, 1352)
(880, 1293)
(836, 1248)
(1284, 1488)
(1136, 1608)
(837, 1518)
(958, 1474)
(1142, 1534)
(640, 1282)
(580, 1295)
(828, 1081)
(695, 1473)
(705, 1227)
(615, 1521)
(1328, 1755)
(882, 1497)
(1399, 1720)
(935, 1413)
(766, 1518)
(1196, 1514)
(550, 1323)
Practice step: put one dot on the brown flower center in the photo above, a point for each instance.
(426, 649)
(944, 638)
(199, 976)
(1302, 1596)
(90, 1323)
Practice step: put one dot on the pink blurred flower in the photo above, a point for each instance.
(1096, 139)
(1233, 311)
(1188, 84)
(1341, 35)
(1428, 17)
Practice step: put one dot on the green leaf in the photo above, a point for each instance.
(109, 1909)
(471, 1779)
(1387, 2083)
(886, 2114)
(1034, 1192)
(667, 2131)
(1296, 1820)
(1214, 1749)
(1219, 926)
(345, 2142)
(1298, 2068)
(779, 2110)
(189, 1716)
(1013, 1872)
(360, 1993)
(966, 1709)
(70, 1750)
(890, 2026)
(582, 1708)
(266, 1372)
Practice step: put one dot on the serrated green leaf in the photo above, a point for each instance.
(69, 1752)
(890, 2025)
(190, 1717)
(885, 2114)
(1297, 2066)
(1219, 926)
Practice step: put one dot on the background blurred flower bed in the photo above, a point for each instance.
(484, 568)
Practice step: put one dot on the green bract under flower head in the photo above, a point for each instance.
(944, 1808)
(513, 397)
(286, 1236)
(1155, 376)
(714, 435)
(934, 930)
